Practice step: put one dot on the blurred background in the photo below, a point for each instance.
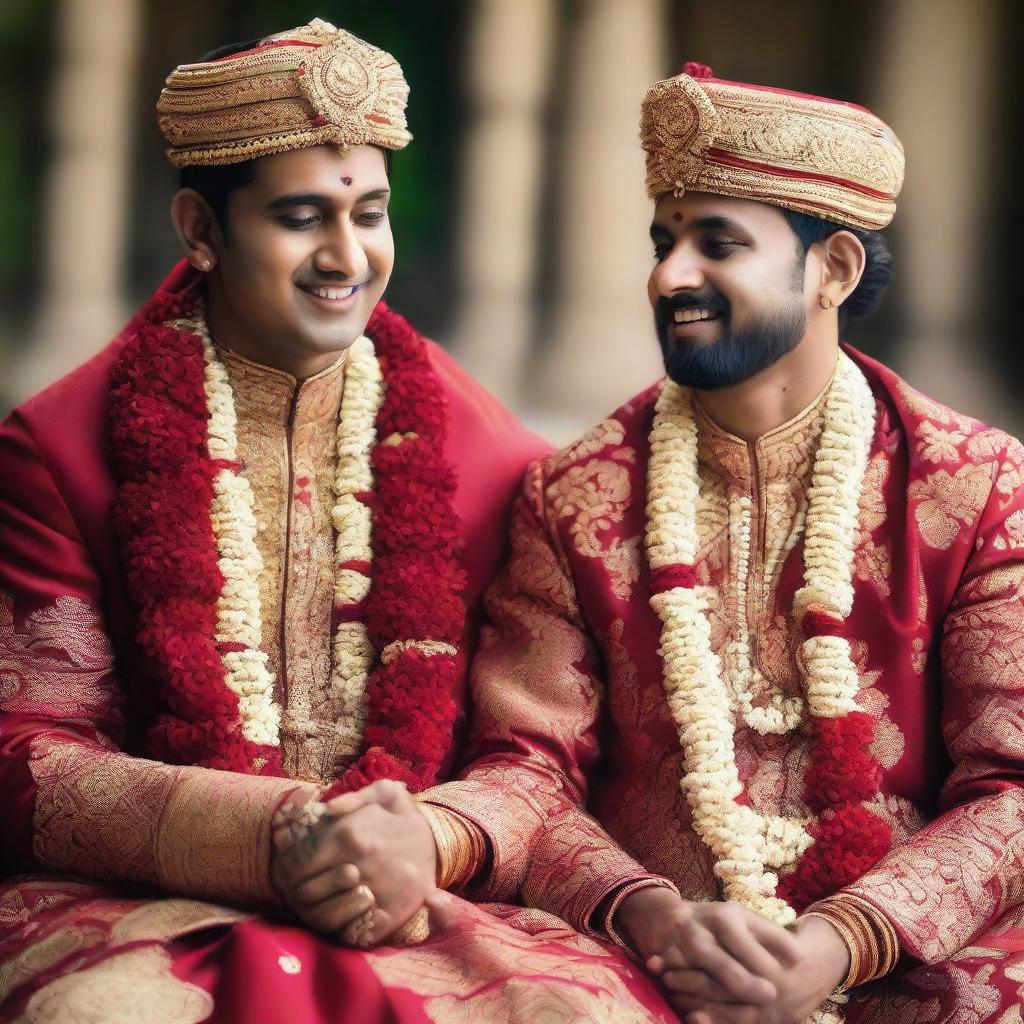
(519, 212)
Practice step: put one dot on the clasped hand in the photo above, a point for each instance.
(357, 867)
(721, 963)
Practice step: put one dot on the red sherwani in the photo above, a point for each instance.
(79, 793)
(571, 711)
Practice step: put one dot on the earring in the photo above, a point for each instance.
(825, 302)
(204, 263)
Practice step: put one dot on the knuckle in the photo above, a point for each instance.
(346, 875)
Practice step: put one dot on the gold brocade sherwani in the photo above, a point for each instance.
(148, 899)
(286, 438)
(578, 759)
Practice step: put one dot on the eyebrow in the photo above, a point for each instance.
(701, 224)
(319, 199)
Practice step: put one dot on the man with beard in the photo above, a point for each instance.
(750, 700)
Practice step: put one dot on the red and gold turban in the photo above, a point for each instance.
(818, 156)
(311, 85)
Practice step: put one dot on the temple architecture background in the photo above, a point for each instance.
(519, 212)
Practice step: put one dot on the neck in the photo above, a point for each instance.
(756, 406)
(226, 332)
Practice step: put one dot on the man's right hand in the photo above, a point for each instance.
(325, 898)
(719, 952)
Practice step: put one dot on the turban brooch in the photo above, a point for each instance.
(805, 153)
(311, 85)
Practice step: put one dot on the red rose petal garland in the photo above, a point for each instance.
(417, 572)
(414, 614)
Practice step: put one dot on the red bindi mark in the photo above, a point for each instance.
(346, 181)
(677, 215)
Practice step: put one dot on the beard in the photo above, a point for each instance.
(737, 355)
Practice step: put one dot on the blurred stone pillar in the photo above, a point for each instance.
(603, 346)
(507, 83)
(936, 90)
(87, 192)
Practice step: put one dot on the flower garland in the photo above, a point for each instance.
(185, 515)
(750, 848)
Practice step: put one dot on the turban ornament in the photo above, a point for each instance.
(806, 153)
(309, 86)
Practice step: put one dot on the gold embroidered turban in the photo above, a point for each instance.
(818, 156)
(311, 85)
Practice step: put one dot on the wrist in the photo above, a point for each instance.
(833, 956)
(871, 941)
(631, 917)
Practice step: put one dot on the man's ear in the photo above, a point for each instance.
(197, 227)
(842, 265)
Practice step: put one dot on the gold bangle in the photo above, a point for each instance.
(870, 937)
(461, 847)
(416, 929)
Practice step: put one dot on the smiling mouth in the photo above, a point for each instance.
(689, 316)
(332, 293)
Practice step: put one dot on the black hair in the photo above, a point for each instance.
(864, 299)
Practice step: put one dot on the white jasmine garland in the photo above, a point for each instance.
(750, 847)
(353, 654)
(239, 619)
(239, 616)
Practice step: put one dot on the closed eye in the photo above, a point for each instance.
(296, 222)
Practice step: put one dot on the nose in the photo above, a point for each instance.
(681, 270)
(342, 252)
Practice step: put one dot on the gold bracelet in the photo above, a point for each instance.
(461, 847)
(886, 940)
(870, 937)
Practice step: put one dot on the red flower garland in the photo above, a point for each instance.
(417, 572)
(849, 839)
(159, 421)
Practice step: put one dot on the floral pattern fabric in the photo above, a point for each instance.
(571, 709)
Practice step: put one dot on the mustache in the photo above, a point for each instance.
(712, 301)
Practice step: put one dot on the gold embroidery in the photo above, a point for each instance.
(133, 987)
(46, 953)
(608, 433)
(97, 812)
(112, 921)
(229, 856)
(665, 842)
(872, 562)
(478, 969)
(987, 444)
(922, 405)
(109, 815)
(943, 502)
(287, 441)
(594, 496)
(59, 659)
(937, 445)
